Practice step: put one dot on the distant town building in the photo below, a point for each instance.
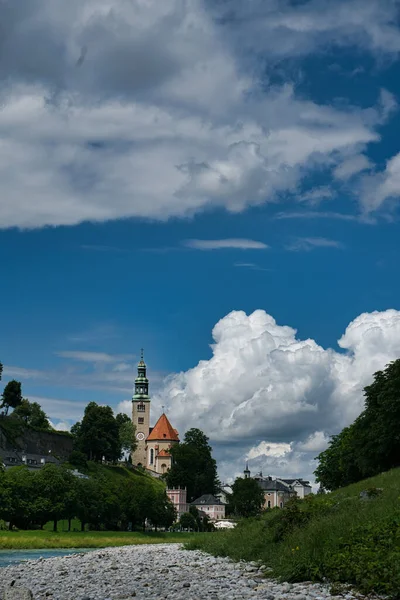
(179, 500)
(13, 458)
(278, 491)
(211, 506)
(300, 486)
(153, 443)
(224, 492)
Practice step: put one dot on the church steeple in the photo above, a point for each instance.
(141, 381)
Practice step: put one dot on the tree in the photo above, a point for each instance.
(32, 414)
(54, 486)
(97, 435)
(12, 395)
(247, 499)
(1, 370)
(193, 466)
(127, 433)
(372, 443)
(187, 521)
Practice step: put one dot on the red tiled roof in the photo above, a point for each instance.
(163, 430)
(164, 453)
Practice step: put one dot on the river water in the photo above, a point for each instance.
(13, 557)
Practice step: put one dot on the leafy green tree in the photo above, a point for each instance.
(77, 459)
(18, 488)
(187, 521)
(97, 435)
(32, 414)
(193, 466)
(1, 370)
(12, 395)
(54, 485)
(247, 499)
(337, 465)
(127, 433)
(372, 443)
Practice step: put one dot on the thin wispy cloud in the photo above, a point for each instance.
(314, 214)
(230, 243)
(310, 243)
(251, 266)
(94, 357)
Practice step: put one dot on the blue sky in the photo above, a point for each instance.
(167, 169)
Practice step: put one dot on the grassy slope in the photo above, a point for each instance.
(344, 539)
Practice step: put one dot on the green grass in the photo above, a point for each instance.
(336, 536)
(21, 540)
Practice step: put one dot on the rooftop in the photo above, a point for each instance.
(163, 430)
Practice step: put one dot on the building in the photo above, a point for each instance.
(276, 493)
(300, 486)
(13, 458)
(178, 499)
(153, 443)
(211, 506)
(224, 493)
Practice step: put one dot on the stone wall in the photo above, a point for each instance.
(39, 442)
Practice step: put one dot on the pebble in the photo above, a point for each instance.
(151, 572)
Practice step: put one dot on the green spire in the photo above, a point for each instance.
(141, 381)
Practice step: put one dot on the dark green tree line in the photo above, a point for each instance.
(371, 444)
(32, 498)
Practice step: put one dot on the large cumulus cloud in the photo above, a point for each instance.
(273, 398)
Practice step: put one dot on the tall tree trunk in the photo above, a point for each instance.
(69, 524)
(55, 525)
(83, 525)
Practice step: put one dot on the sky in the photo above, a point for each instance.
(218, 182)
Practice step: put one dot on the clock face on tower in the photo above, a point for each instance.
(140, 436)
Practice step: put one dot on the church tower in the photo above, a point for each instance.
(141, 413)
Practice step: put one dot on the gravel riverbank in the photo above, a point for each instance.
(159, 571)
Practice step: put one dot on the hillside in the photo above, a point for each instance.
(339, 537)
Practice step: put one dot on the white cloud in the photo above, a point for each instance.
(60, 426)
(315, 195)
(268, 448)
(310, 243)
(94, 357)
(237, 243)
(101, 96)
(379, 188)
(264, 386)
(352, 166)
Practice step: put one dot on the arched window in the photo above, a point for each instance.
(163, 468)
(141, 407)
(281, 504)
(269, 503)
(151, 456)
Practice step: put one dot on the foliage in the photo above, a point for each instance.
(372, 443)
(187, 521)
(12, 395)
(247, 498)
(97, 435)
(77, 459)
(32, 414)
(108, 498)
(335, 537)
(193, 465)
(127, 433)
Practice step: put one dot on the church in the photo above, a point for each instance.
(153, 443)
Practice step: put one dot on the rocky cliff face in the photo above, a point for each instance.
(38, 442)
